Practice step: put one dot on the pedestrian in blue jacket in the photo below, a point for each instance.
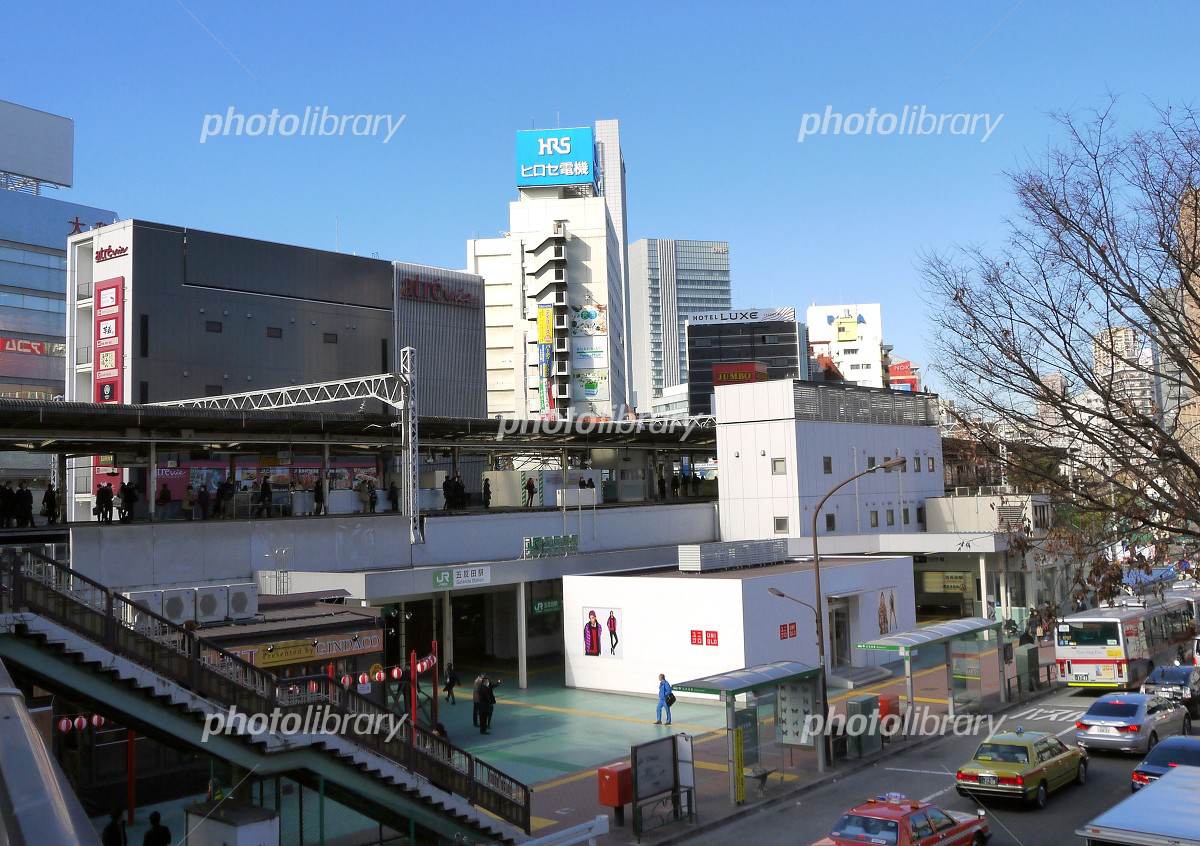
(665, 699)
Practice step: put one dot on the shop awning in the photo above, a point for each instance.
(906, 641)
(749, 678)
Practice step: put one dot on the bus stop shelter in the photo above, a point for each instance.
(790, 686)
(971, 645)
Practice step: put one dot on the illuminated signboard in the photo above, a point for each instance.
(556, 157)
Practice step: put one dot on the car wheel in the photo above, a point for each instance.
(979, 840)
(1187, 725)
(1081, 774)
(1039, 798)
(1152, 742)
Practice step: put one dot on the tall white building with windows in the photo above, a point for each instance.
(852, 335)
(554, 286)
(669, 283)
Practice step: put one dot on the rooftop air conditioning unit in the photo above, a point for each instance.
(179, 605)
(726, 555)
(243, 601)
(148, 600)
(212, 604)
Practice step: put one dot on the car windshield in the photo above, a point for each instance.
(1004, 753)
(856, 825)
(1113, 709)
(1166, 754)
(1088, 634)
(1170, 675)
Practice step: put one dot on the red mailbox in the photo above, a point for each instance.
(616, 784)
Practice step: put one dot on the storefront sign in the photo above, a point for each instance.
(736, 373)
(750, 315)
(22, 345)
(289, 652)
(108, 339)
(462, 577)
(701, 637)
(953, 582)
(106, 253)
(787, 631)
(547, 606)
(551, 546)
(556, 156)
(412, 288)
(301, 651)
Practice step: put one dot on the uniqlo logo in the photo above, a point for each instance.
(783, 635)
(791, 629)
(697, 637)
(710, 638)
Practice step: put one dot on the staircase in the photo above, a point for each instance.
(75, 636)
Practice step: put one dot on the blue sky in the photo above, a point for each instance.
(710, 97)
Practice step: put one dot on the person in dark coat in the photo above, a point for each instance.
(487, 493)
(319, 496)
(487, 704)
(394, 496)
(159, 834)
(7, 505)
(475, 692)
(24, 502)
(448, 493)
(451, 683)
(202, 500)
(50, 504)
(114, 832)
(530, 490)
(264, 498)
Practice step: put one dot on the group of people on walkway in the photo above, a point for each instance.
(123, 501)
(454, 492)
(677, 485)
(483, 699)
(16, 505)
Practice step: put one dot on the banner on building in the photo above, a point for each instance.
(589, 385)
(589, 352)
(108, 339)
(589, 319)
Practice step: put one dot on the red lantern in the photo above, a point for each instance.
(314, 686)
(64, 725)
(396, 673)
(346, 680)
(380, 675)
(363, 678)
(97, 721)
(80, 723)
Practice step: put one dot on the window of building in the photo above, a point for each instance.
(874, 519)
(870, 461)
(850, 351)
(143, 392)
(866, 367)
(830, 523)
(144, 335)
(916, 464)
(329, 337)
(921, 515)
(891, 517)
(904, 515)
(781, 525)
(1041, 516)
(827, 465)
(213, 326)
(274, 331)
(929, 465)
(778, 467)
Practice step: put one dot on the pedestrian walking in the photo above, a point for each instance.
(24, 500)
(265, 495)
(662, 486)
(475, 691)
(666, 698)
(7, 506)
(189, 503)
(394, 496)
(674, 486)
(460, 491)
(114, 832)
(451, 683)
(447, 493)
(530, 490)
(319, 496)
(162, 501)
(487, 493)
(159, 834)
(372, 496)
(487, 704)
(50, 505)
(202, 500)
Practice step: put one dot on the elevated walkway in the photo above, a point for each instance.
(77, 638)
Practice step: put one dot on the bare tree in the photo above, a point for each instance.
(1082, 333)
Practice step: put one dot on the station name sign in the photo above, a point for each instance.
(748, 315)
(412, 288)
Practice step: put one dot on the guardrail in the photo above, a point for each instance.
(31, 581)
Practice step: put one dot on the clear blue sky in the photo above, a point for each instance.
(710, 98)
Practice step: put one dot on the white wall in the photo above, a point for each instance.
(658, 615)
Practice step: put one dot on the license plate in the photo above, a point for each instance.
(1081, 677)
(1103, 730)
(988, 781)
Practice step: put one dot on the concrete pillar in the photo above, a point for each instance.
(152, 480)
(908, 681)
(66, 496)
(983, 585)
(1000, 662)
(447, 629)
(950, 677)
(522, 639)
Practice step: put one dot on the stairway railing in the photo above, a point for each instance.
(31, 581)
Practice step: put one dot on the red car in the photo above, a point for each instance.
(894, 820)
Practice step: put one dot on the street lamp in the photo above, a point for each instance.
(823, 694)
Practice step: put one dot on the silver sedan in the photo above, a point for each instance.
(1130, 722)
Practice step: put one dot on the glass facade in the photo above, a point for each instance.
(776, 344)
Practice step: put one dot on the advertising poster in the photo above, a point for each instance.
(545, 326)
(602, 630)
(794, 703)
(589, 319)
(589, 352)
(589, 385)
(107, 340)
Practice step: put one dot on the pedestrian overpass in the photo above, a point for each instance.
(75, 637)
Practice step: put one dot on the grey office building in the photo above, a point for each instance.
(670, 282)
(159, 312)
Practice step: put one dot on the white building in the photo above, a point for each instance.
(554, 292)
(782, 444)
(852, 335)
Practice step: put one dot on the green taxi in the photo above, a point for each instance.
(1020, 764)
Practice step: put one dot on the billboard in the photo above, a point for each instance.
(556, 157)
(744, 315)
(108, 340)
(589, 319)
(36, 144)
(589, 352)
(545, 330)
(589, 385)
(739, 372)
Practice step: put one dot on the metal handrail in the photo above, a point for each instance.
(30, 580)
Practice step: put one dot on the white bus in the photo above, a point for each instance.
(1117, 647)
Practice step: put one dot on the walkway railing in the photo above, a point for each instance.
(31, 581)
